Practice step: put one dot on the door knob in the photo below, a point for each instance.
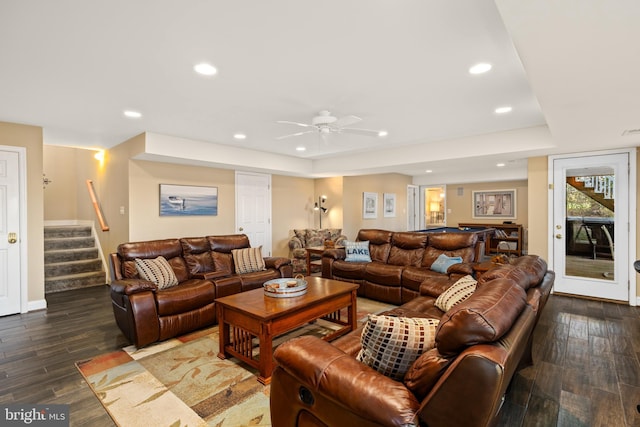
(558, 236)
(241, 229)
(12, 238)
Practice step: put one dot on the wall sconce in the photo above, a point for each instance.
(321, 209)
(45, 181)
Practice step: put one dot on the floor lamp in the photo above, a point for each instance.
(321, 209)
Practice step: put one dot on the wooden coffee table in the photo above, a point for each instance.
(252, 314)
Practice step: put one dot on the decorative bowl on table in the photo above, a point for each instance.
(286, 287)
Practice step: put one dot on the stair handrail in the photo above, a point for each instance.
(96, 206)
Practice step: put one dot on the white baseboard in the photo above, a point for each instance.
(40, 304)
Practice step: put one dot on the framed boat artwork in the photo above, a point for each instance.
(186, 200)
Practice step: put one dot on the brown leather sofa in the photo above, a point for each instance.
(205, 271)
(479, 345)
(400, 263)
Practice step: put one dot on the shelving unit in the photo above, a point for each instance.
(508, 243)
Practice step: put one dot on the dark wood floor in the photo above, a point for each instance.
(586, 370)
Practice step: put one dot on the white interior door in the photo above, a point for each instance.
(591, 225)
(253, 209)
(10, 282)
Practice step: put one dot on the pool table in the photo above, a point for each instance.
(483, 233)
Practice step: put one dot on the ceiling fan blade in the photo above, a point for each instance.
(365, 132)
(295, 134)
(295, 123)
(346, 121)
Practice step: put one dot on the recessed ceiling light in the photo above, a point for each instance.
(205, 69)
(503, 110)
(500, 165)
(428, 171)
(480, 68)
(383, 133)
(239, 136)
(301, 148)
(132, 114)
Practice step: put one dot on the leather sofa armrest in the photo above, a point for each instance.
(132, 286)
(211, 275)
(276, 262)
(341, 378)
(461, 268)
(338, 253)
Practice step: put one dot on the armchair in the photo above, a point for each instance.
(308, 237)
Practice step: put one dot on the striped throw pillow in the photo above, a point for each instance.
(157, 271)
(458, 292)
(248, 260)
(390, 344)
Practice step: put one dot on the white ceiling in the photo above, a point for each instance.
(568, 68)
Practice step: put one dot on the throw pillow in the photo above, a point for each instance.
(390, 344)
(357, 251)
(458, 292)
(248, 260)
(157, 271)
(443, 262)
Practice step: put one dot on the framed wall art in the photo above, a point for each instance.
(389, 203)
(369, 205)
(185, 200)
(494, 204)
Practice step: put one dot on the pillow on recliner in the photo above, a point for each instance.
(458, 292)
(390, 344)
(248, 260)
(443, 262)
(157, 271)
(357, 251)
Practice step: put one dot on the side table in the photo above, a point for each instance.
(483, 267)
(316, 250)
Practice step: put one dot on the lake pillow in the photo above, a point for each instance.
(357, 251)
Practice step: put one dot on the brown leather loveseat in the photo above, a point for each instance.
(401, 262)
(479, 344)
(204, 269)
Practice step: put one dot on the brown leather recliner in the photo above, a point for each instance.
(480, 344)
(205, 271)
(401, 262)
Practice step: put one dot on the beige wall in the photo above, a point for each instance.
(353, 188)
(30, 137)
(67, 197)
(460, 207)
(291, 208)
(112, 184)
(538, 206)
(60, 196)
(145, 222)
(332, 188)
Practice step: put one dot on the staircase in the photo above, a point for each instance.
(599, 188)
(71, 259)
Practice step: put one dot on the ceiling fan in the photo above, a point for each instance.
(325, 124)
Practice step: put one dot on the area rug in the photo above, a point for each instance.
(181, 382)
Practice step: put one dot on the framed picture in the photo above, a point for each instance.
(389, 202)
(185, 200)
(369, 205)
(494, 204)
